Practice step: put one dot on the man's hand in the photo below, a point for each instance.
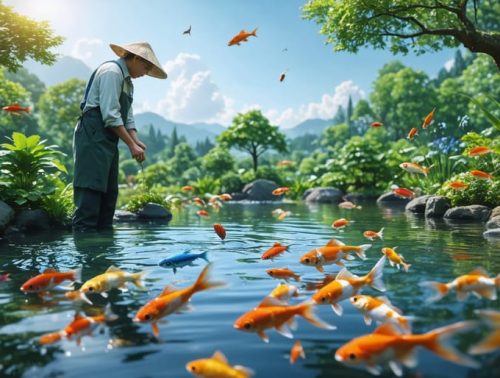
(137, 152)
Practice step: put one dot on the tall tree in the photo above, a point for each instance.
(22, 38)
(252, 132)
(404, 25)
(29, 81)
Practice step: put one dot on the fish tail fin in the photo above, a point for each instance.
(381, 233)
(77, 274)
(374, 278)
(203, 282)
(406, 266)
(307, 312)
(254, 32)
(204, 256)
(438, 342)
(51, 338)
(360, 251)
(137, 279)
(440, 289)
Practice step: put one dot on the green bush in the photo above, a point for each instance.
(479, 192)
(231, 182)
(206, 185)
(142, 197)
(265, 172)
(59, 205)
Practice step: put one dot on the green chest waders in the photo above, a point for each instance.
(95, 150)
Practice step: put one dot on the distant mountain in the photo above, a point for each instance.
(310, 126)
(64, 69)
(193, 132)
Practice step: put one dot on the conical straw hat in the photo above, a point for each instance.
(145, 51)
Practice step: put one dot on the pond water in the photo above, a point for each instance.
(437, 250)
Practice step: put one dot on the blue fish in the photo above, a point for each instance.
(182, 259)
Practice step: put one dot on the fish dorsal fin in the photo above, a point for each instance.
(77, 316)
(277, 244)
(479, 272)
(167, 290)
(50, 270)
(334, 243)
(344, 274)
(219, 356)
(271, 302)
(385, 300)
(113, 268)
(386, 329)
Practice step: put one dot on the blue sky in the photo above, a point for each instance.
(209, 81)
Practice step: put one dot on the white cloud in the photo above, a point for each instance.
(86, 48)
(449, 64)
(325, 109)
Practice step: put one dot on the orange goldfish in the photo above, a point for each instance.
(373, 234)
(481, 175)
(348, 205)
(476, 282)
(296, 352)
(380, 310)
(376, 124)
(310, 286)
(283, 274)
(412, 133)
(198, 201)
(271, 313)
(225, 197)
(274, 251)
(387, 345)
(341, 223)
(403, 193)
(414, 168)
(242, 37)
(113, 278)
(220, 231)
(395, 258)
(280, 191)
(458, 185)
(332, 253)
(492, 341)
(284, 292)
(16, 108)
(217, 366)
(282, 214)
(347, 284)
(284, 163)
(172, 300)
(480, 150)
(49, 279)
(187, 188)
(202, 213)
(79, 327)
(428, 119)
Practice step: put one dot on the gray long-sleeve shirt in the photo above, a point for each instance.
(105, 93)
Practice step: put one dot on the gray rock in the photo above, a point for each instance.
(391, 198)
(417, 205)
(356, 197)
(325, 195)
(494, 222)
(495, 212)
(125, 216)
(472, 212)
(6, 215)
(261, 190)
(493, 233)
(306, 193)
(154, 211)
(436, 206)
(27, 220)
(238, 196)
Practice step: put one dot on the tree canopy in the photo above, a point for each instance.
(252, 132)
(404, 25)
(22, 38)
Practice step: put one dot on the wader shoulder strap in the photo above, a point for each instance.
(84, 101)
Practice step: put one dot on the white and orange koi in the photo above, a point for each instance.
(395, 258)
(414, 168)
(381, 310)
(113, 278)
(296, 352)
(476, 282)
(332, 253)
(491, 342)
(388, 346)
(374, 234)
(172, 300)
(347, 284)
(217, 366)
(349, 205)
(49, 279)
(284, 292)
(271, 313)
(341, 223)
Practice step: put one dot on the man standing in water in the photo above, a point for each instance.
(107, 117)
